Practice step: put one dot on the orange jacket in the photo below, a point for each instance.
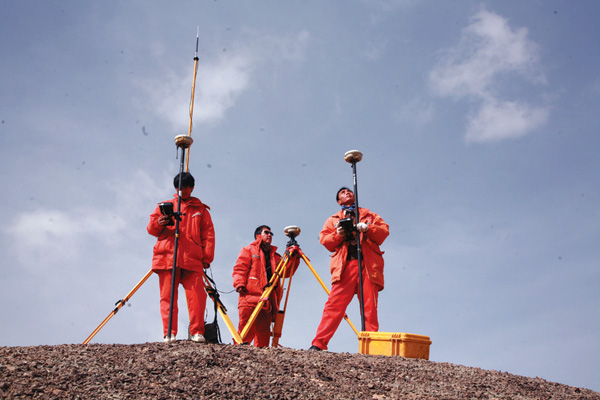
(370, 242)
(249, 271)
(196, 237)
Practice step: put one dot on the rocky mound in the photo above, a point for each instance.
(185, 370)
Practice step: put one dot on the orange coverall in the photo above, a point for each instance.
(249, 271)
(344, 274)
(196, 247)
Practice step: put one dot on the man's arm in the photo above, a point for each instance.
(329, 236)
(156, 224)
(241, 269)
(377, 229)
(207, 238)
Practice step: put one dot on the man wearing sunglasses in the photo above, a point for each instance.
(253, 270)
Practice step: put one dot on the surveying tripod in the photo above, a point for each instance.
(291, 257)
(210, 290)
(182, 142)
(284, 272)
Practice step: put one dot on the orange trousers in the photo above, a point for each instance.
(195, 295)
(260, 331)
(340, 297)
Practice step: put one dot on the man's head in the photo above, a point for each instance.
(266, 236)
(187, 180)
(344, 197)
(187, 184)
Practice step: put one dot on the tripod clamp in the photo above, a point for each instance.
(177, 215)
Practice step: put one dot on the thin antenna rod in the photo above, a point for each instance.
(187, 163)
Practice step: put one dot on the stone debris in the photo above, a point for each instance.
(187, 370)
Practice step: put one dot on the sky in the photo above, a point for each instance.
(477, 120)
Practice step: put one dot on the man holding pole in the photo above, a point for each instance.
(253, 270)
(339, 237)
(196, 249)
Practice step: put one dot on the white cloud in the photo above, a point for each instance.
(488, 48)
(501, 120)
(479, 67)
(44, 237)
(221, 81)
(218, 85)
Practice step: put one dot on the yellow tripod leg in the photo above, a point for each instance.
(306, 260)
(278, 324)
(279, 271)
(222, 311)
(230, 326)
(119, 304)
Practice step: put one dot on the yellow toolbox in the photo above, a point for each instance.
(394, 344)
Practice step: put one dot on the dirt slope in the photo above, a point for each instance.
(185, 370)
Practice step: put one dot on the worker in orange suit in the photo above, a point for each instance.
(342, 243)
(195, 253)
(253, 270)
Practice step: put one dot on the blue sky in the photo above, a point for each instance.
(477, 120)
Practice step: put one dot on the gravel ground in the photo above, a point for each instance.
(186, 370)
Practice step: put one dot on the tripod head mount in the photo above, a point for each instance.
(183, 141)
(292, 231)
(353, 156)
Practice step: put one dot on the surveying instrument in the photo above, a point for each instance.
(282, 278)
(352, 157)
(289, 263)
(183, 143)
(282, 275)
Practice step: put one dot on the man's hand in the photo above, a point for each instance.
(206, 265)
(241, 289)
(362, 227)
(165, 220)
(341, 231)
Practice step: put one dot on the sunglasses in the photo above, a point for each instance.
(268, 233)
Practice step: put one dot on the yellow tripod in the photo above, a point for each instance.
(292, 256)
(183, 142)
(214, 295)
